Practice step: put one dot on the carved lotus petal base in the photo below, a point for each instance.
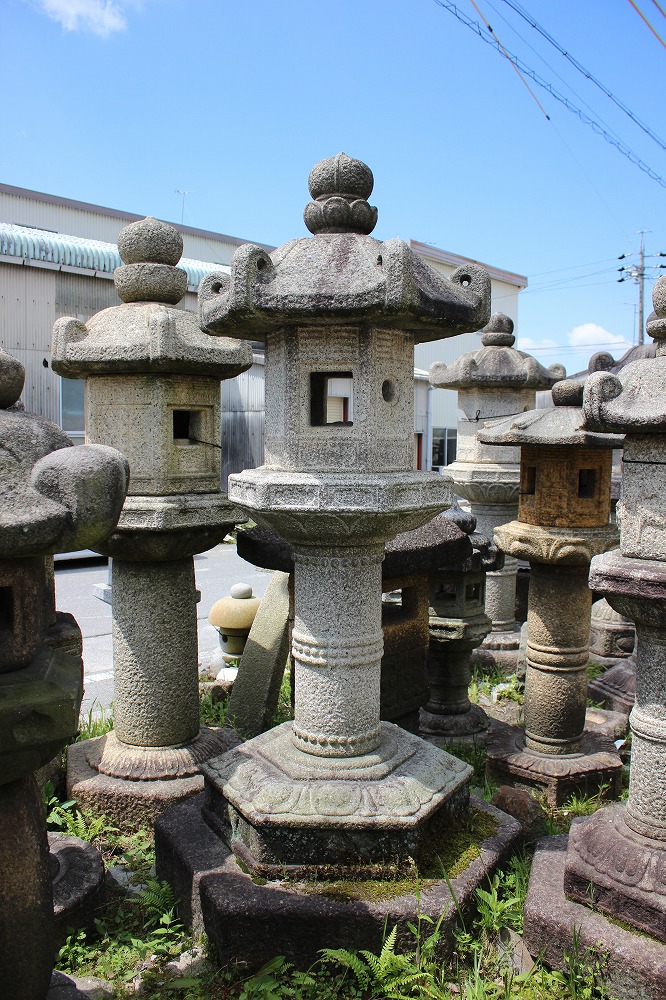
(280, 808)
(618, 871)
(558, 776)
(108, 755)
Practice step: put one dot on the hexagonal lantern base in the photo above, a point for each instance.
(510, 762)
(283, 810)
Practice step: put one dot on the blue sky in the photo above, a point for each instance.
(122, 102)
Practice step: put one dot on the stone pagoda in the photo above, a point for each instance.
(153, 390)
(53, 498)
(563, 521)
(339, 305)
(495, 381)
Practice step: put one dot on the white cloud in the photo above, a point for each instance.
(593, 335)
(102, 17)
(530, 344)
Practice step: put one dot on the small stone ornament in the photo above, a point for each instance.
(232, 616)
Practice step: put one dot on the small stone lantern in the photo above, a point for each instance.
(563, 520)
(495, 381)
(153, 390)
(53, 498)
(340, 304)
(458, 624)
(232, 616)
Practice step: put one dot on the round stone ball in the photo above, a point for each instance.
(341, 175)
(150, 241)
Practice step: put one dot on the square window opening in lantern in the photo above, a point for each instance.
(331, 399)
(6, 610)
(186, 427)
(587, 484)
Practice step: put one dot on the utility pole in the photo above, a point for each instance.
(182, 209)
(636, 272)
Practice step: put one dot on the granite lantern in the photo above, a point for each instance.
(458, 624)
(495, 381)
(337, 788)
(53, 498)
(153, 389)
(232, 616)
(621, 852)
(563, 521)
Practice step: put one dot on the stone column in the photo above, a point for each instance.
(337, 645)
(493, 382)
(153, 388)
(155, 653)
(563, 520)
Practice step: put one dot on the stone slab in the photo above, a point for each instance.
(65, 987)
(78, 884)
(250, 922)
(634, 965)
(256, 689)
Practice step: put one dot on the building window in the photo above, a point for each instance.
(330, 399)
(71, 405)
(444, 446)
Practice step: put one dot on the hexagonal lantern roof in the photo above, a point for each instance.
(342, 274)
(561, 424)
(496, 365)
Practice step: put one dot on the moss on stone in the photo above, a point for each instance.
(450, 854)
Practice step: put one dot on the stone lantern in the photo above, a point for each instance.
(563, 520)
(621, 851)
(53, 498)
(153, 389)
(495, 381)
(458, 624)
(339, 305)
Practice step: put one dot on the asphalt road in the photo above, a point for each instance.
(216, 571)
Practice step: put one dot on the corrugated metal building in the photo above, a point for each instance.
(57, 258)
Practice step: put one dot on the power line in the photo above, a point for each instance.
(644, 18)
(594, 125)
(585, 72)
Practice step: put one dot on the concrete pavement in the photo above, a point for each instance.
(216, 571)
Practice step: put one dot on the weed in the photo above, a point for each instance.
(97, 722)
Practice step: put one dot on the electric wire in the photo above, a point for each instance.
(526, 16)
(594, 125)
(644, 18)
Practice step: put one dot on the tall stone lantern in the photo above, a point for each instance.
(53, 498)
(563, 520)
(495, 381)
(153, 390)
(337, 787)
(617, 857)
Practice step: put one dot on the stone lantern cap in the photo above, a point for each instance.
(237, 611)
(343, 274)
(53, 497)
(634, 400)
(147, 334)
(496, 365)
(561, 424)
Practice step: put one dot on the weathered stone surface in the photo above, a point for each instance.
(65, 987)
(27, 942)
(251, 922)
(523, 806)
(256, 689)
(633, 965)
(77, 875)
(616, 687)
(612, 636)
(597, 763)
